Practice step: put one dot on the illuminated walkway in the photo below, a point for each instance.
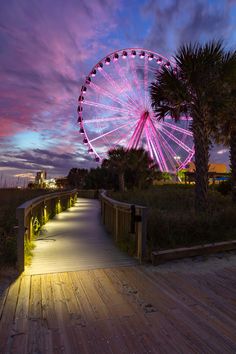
(76, 240)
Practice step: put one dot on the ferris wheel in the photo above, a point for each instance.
(115, 110)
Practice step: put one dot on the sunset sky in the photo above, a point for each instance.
(47, 47)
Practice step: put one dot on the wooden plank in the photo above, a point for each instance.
(37, 333)
(49, 315)
(19, 337)
(197, 315)
(99, 308)
(6, 322)
(116, 303)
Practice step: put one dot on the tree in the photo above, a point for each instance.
(226, 112)
(76, 177)
(190, 90)
(141, 169)
(117, 162)
(133, 167)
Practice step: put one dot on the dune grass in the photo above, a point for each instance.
(172, 221)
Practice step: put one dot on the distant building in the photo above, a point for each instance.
(213, 167)
(217, 172)
(40, 178)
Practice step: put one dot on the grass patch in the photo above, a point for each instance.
(10, 199)
(29, 246)
(172, 221)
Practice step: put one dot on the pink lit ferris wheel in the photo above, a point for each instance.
(115, 110)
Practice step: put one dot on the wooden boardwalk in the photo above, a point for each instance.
(121, 310)
(76, 240)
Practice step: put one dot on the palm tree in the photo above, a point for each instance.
(117, 162)
(189, 90)
(226, 112)
(141, 167)
(133, 165)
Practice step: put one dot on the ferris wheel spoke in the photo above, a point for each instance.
(107, 119)
(158, 154)
(106, 93)
(158, 143)
(127, 83)
(136, 80)
(147, 135)
(145, 79)
(169, 148)
(176, 140)
(117, 88)
(109, 132)
(179, 129)
(134, 140)
(107, 107)
(169, 151)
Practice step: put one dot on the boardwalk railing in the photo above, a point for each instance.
(36, 212)
(127, 223)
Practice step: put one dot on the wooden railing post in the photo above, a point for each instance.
(20, 240)
(124, 220)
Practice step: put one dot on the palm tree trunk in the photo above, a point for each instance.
(121, 182)
(233, 162)
(201, 142)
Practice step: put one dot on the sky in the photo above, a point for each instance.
(47, 47)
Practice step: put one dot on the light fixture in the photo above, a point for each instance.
(124, 54)
(142, 55)
(116, 57)
(100, 66)
(83, 89)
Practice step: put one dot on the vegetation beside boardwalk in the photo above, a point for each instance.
(172, 221)
(10, 199)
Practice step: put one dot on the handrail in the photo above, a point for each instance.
(124, 205)
(41, 208)
(127, 223)
(37, 201)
